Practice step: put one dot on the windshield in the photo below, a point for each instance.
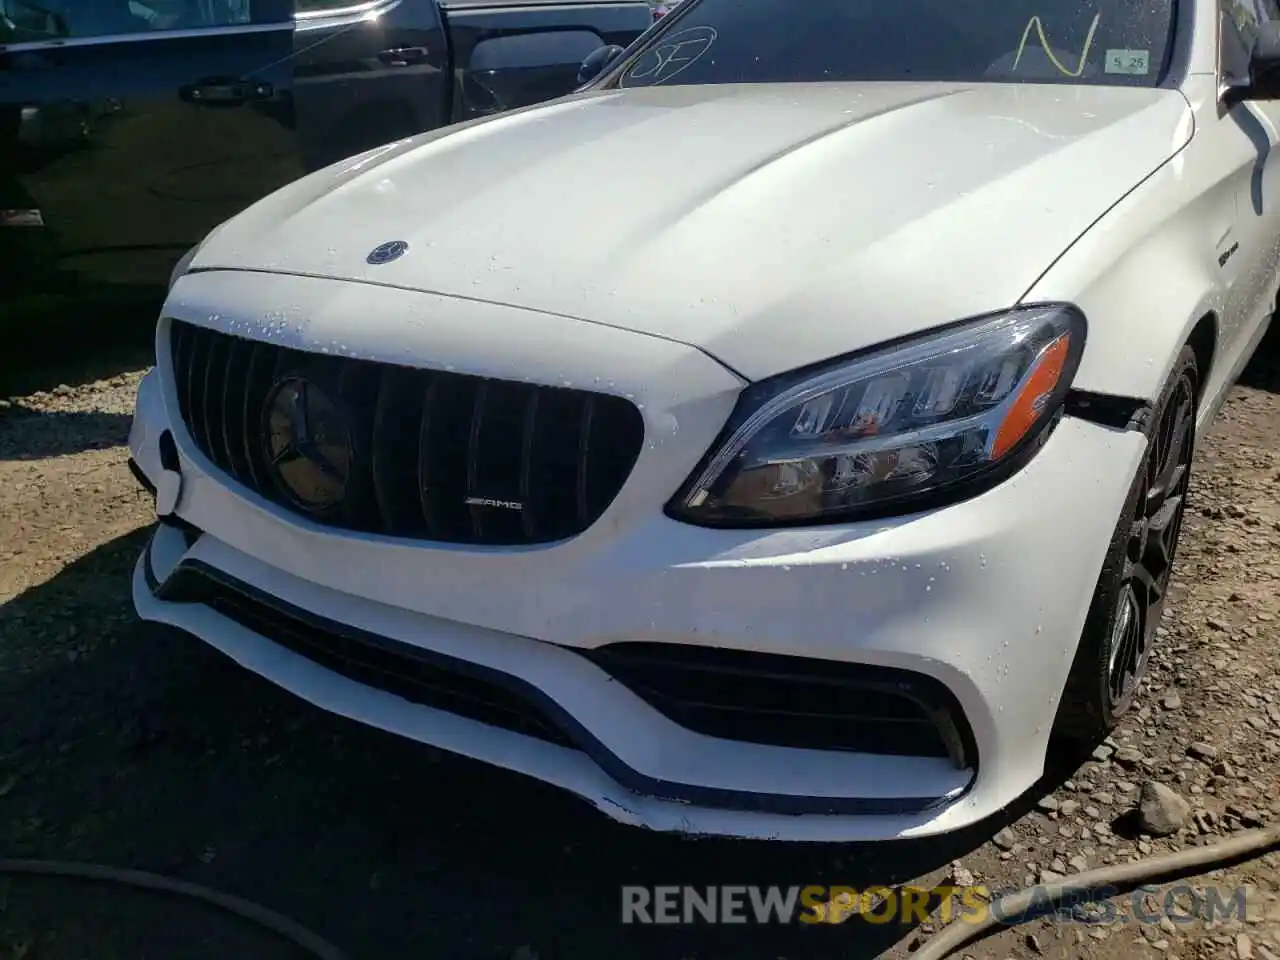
(1121, 42)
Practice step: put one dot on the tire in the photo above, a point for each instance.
(1129, 599)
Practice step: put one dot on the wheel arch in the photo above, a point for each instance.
(1204, 341)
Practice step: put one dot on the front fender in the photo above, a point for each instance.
(1141, 310)
(1145, 275)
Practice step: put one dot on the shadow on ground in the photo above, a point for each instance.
(136, 746)
(27, 434)
(50, 341)
(1263, 371)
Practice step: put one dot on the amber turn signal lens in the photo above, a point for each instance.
(1024, 413)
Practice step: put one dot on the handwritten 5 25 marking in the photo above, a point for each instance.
(677, 53)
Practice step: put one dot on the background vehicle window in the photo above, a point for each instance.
(1119, 42)
(22, 20)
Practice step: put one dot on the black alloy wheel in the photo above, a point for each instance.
(1152, 543)
(1133, 587)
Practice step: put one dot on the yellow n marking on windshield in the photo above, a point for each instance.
(1035, 24)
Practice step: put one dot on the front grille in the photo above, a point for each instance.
(407, 453)
(377, 662)
(794, 701)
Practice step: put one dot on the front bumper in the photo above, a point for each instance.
(987, 597)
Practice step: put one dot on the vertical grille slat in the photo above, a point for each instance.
(180, 343)
(444, 456)
(358, 386)
(193, 386)
(182, 370)
(584, 460)
(212, 404)
(396, 419)
(430, 517)
(262, 361)
(239, 353)
(437, 456)
(473, 460)
(384, 481)
(529, 515)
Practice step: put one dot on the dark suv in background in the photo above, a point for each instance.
(130, 128)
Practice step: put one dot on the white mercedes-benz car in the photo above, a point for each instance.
(802, 494)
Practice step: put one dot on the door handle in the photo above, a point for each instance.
(403, 56)
(218, 92)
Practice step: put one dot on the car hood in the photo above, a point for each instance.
(771, 226)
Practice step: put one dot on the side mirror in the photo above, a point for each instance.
(597, 62)
(1264, 64)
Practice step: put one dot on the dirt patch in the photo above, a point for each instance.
(139, 747)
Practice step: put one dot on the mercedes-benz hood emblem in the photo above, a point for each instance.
(386, 252)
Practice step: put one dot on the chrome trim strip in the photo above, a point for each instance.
(354, 10)
(62, 43)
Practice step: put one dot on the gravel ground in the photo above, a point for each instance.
(133, 746)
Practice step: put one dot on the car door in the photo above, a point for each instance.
(507, 56)
(367, 74)
(1249, 256)
(130, 128)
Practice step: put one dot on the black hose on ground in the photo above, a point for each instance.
(281, 926)
(1112, 880)
(1093, 885)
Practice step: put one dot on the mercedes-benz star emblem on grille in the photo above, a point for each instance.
(308, 444)
(386, 252)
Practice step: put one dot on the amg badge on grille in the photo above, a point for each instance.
(498, 504)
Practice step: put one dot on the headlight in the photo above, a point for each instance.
(910, 426)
